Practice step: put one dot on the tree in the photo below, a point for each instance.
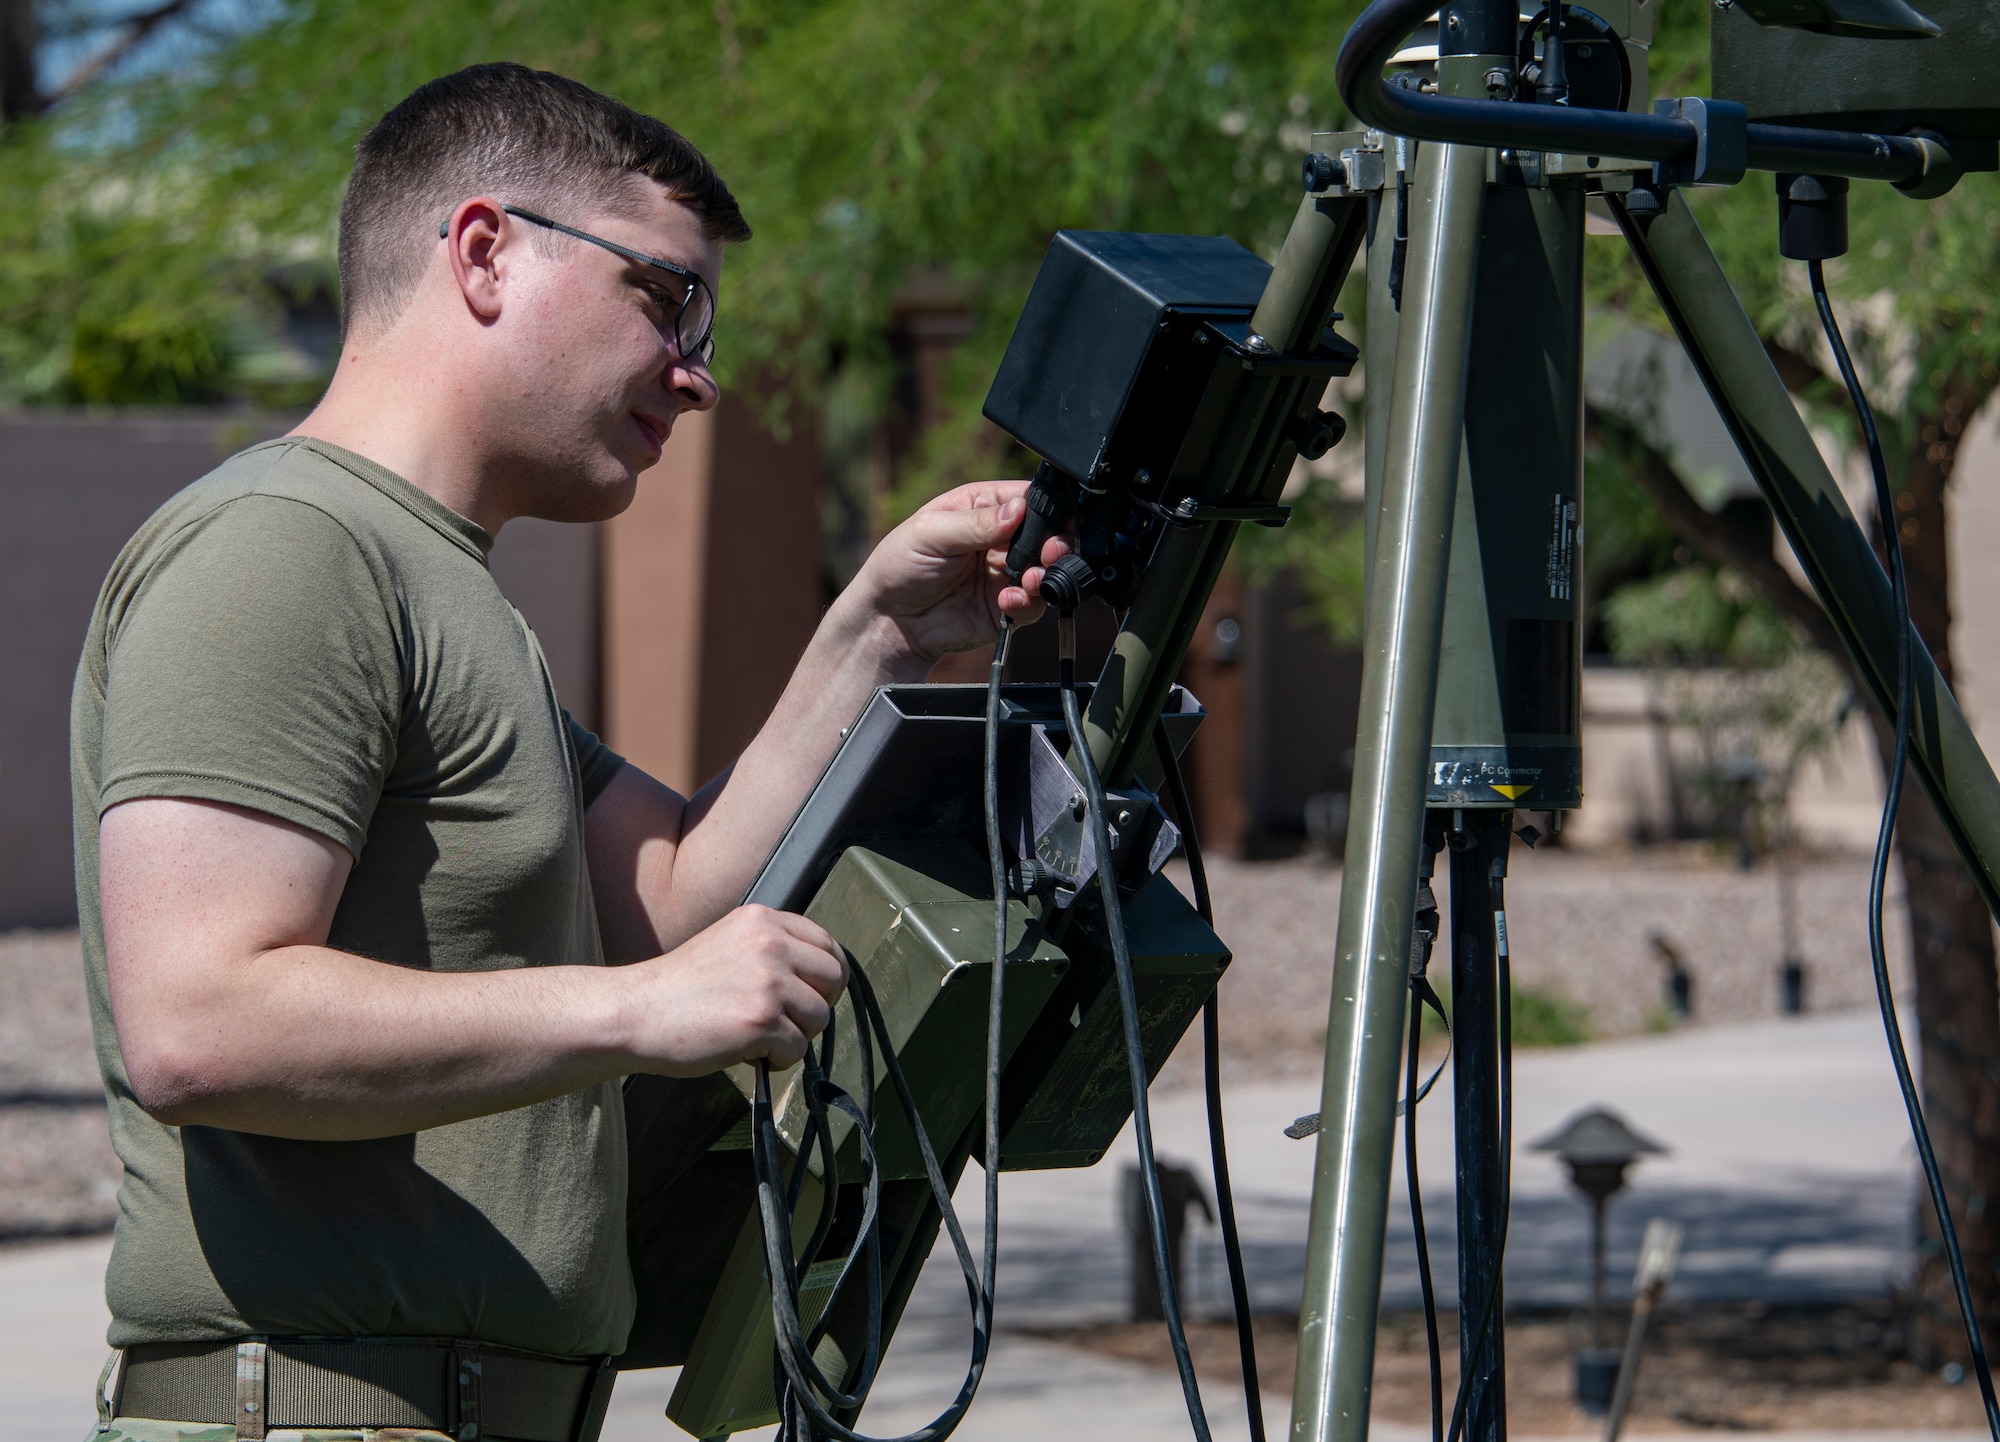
(100, 45)
(870, 141)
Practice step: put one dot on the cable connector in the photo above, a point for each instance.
(1067, 583)
(1031, 877)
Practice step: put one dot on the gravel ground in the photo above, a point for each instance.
(1581, 927)
(58, 1174)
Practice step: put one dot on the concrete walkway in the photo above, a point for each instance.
(1790, 1167)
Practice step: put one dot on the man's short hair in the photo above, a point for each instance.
(526, 137)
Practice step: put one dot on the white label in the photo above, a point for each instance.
(1562, 546)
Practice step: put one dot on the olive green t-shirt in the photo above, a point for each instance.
(303, 633)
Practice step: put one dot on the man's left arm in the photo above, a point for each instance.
(664, 867)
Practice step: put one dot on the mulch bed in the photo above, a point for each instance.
(1742, 1368)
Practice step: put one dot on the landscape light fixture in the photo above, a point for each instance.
(1597, 1146)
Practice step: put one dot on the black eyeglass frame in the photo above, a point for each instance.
(703, 348)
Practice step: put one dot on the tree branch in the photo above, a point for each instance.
(1800, 372)
(138, 28)
(1709, 536)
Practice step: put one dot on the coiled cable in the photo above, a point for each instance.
(807, 1398)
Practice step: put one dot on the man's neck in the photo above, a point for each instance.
(409, 420)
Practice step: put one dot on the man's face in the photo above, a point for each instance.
(594, 378)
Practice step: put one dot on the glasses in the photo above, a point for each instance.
(694, 311)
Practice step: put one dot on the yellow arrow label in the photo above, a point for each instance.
(1514, 793)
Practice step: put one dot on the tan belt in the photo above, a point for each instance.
(462, 1389)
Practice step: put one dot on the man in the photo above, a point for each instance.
(349, 876)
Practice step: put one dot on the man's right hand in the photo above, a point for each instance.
(758, 984)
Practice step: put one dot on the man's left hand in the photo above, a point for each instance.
(941, 577)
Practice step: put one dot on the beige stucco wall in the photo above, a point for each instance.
(1839, 799)
(1627, 741)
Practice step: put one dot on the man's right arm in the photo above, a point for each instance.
(231, 1010)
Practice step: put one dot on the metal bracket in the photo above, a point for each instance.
(1722, 143)
(1189, 513)
(1053, 825)
(1362, 162)
(1334, 356)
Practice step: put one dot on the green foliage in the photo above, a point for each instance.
(1914, 293)
(1627, 536)
(1545, 1018)
(1752, 699)
(871, 141)
(1322, 546)
(1696, 615)
(1541, 1018)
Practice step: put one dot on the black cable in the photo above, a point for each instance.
(1400, 245)
(805, 1394)
(1135, 1048)
(1423, 994)
(996, 861)
(1211, 1073)
(1885, 509)
(1505, 993)
(1553, 88)
(1417, 1221)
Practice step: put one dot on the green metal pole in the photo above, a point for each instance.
(1320, 247)
(1350, 1204)
(1309, 271)
(1378, 345)
(1830, 545)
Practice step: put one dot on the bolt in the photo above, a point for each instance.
(1322, 172)
(1499, 84)
(1076, 807)
(1124, 818)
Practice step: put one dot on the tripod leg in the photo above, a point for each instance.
(1478, 846)
(1831, 547)
(1343, 1281)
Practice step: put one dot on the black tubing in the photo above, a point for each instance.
(805, 1395)
(1878, 879)
(1384, 26)
(1211, 1076)
(1505, 994)
(1135, 1047)
(1412, 1066)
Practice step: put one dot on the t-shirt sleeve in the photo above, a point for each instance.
(256, 664)
(596, 763)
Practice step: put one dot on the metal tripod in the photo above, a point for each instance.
(1431, 445)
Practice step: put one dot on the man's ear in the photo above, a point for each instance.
(479, 241)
